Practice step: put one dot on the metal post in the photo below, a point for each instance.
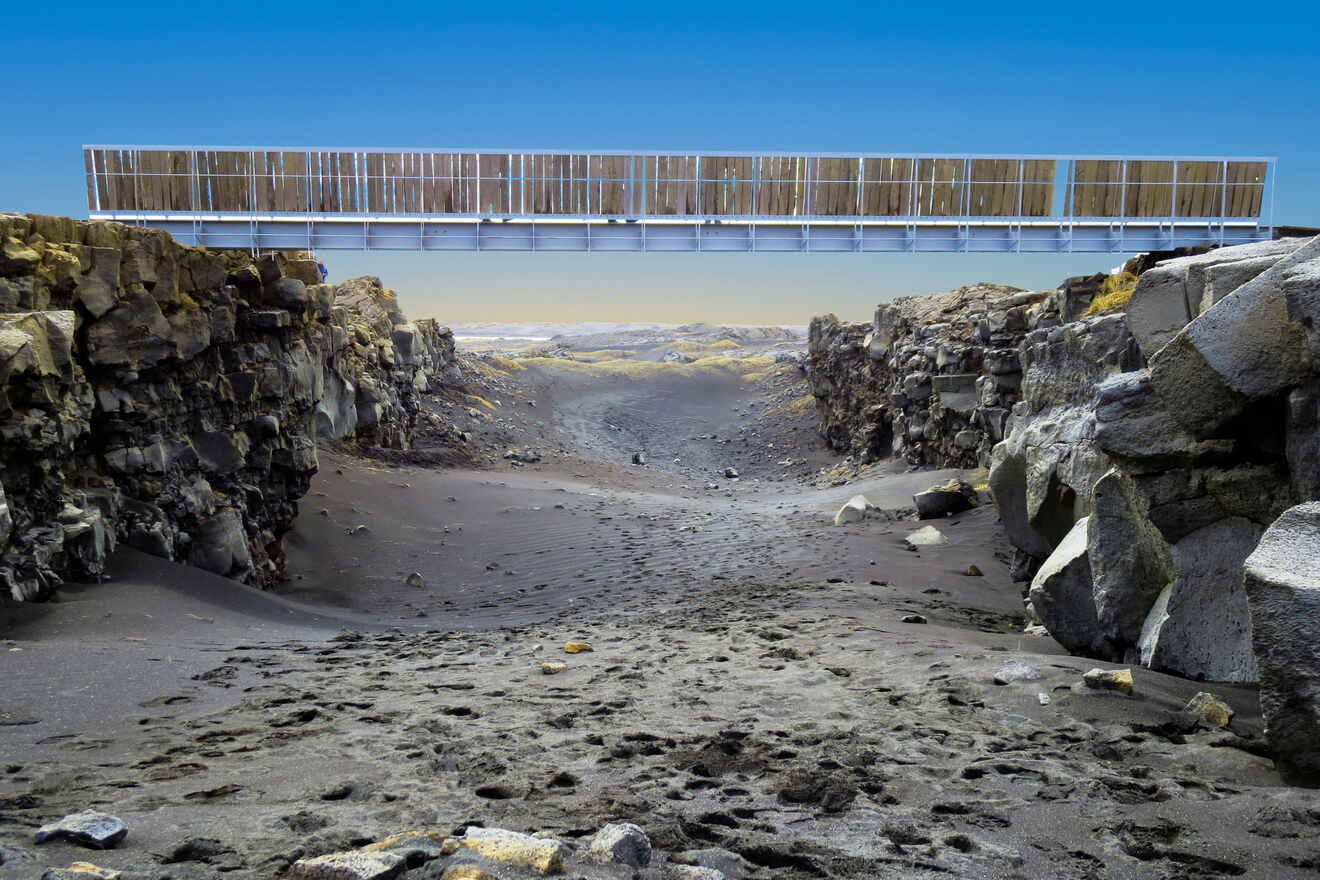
(1273, 173)
(1223, 199)
(1173, 206)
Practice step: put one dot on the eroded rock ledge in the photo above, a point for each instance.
(172, 397)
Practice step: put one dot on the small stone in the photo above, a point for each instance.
(927, 536)
(89, 828)
(639, 458)
(621, 842)
(853, 511)
(731, 473)
(1043, 698)
(577, 647)
(551, 667)
(82, 871)
(324, 511)
(690, 872)
(1214, 710)
(1110, 680)
(974, 570)
(1016, 670)
(348, 866)
(415, 580)
(359, 529)
(914, 618)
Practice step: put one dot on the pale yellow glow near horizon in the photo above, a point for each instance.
(769, 289)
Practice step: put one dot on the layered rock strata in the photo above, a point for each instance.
(172, 397)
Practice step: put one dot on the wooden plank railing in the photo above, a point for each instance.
(426, 183)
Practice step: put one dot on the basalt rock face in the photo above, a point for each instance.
(932, 379)
(1179, 461)
(171, 397)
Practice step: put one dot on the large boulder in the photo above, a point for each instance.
(1200, 626)
(1130, 561)
(1245, 349)
(1282, 584)
(221, 545)
(1061, 595)
(1175, 291)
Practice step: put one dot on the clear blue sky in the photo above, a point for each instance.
(994, 77)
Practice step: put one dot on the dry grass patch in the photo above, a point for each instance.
(1114, 294)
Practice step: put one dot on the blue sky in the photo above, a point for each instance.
(995, 78)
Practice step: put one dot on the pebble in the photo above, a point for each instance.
(550, 667)
(415, 580)
(577, 647)
(914, 618)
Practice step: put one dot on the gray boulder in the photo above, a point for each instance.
(89, 828)
(1061, 594)
(221, 546)
(1176, 291)
(1200, 626)
(1245, 349)
(954, 496)
(1130, 561)
(622, 843)
(1282, 583)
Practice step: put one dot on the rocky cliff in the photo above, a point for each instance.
(1136, 458)
(172, 397)
(1153, 449)
(931, 379)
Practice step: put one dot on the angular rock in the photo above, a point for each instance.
(622, 843)
(221, 545)
(1016, 670)
(543, 855)
(1061, 595)
(1245, 348)
(854, 510)
(1201, 627)
(1282, 583)
(349, 866)
(954, 496)
(90, 828)
(1210, 708)
(1110, 680)
(1129, 559)
(926, 536)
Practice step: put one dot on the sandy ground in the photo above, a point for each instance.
(753, 690)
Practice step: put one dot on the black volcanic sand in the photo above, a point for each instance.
(753, 687)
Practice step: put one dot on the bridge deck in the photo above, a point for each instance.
(674, 201)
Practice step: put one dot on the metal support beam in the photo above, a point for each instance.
(691, 235)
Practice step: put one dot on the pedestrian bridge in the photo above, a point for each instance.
(470, 200)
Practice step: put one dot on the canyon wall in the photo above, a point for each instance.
(932, 379)
(1136, 458)
(172, 397)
